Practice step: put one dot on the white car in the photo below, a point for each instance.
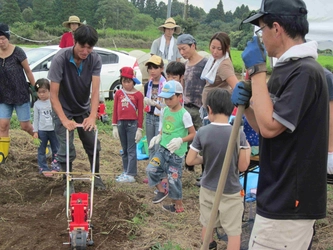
(40, 59)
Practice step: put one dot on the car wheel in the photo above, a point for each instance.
(115, 86)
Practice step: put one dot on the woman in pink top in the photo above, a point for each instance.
(67, 39)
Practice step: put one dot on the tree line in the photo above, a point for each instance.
(136, 15)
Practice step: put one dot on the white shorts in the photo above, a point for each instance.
(280, 234)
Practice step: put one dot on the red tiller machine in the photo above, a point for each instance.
(79, 207)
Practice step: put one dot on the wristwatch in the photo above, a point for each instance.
(257, 69)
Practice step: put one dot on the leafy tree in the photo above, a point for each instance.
(43, 11)
(27, 15)
(197, 13)
(188, 26)
(241, 12)
(212, 16)
(122, 13)
(220, 9)
(162, 10)
(177, 8)
(23, 4)
(140, 4)
(86, 11)
(59, 17)
(228, 17)
(11, 12)
(151, 8)
(141, 22)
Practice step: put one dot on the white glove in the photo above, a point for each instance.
(149, 102)
(115, 132)
(138, 135)
(330, 163)
(174, 144)
(155, 140)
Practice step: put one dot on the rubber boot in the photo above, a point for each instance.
(4, 149)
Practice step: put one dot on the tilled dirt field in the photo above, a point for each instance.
(33, 210)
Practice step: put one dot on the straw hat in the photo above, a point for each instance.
(170, 23)
(71, 19)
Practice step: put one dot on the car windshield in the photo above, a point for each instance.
(34, 55)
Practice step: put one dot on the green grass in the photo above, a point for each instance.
(326, 61)
(323, 60)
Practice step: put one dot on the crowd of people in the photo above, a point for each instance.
(185, 110)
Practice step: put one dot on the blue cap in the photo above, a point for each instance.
(171, 88)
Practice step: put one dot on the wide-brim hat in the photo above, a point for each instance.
(71, 19)
(170, 23)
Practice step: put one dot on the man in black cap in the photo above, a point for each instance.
(290, 113)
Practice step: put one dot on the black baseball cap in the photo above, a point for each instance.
(4, 30)
(281, 7)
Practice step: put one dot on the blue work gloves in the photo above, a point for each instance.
(254, 56)
(241, 94)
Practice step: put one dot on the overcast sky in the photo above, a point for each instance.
(320, 15)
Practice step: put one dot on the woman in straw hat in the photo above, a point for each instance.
(67, 39)
(166, 46)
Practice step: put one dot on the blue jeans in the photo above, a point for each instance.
(152, 122)
(127, 130)
(46, 136)
(165, 162)
(22, 111)
(87, 138)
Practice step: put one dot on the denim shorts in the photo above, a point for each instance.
(22, 111)
(164, 162)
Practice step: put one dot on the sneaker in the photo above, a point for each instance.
(99, 183)
(120, 176)
(213, 245)
(55, 166)
(45, 172)
(71, 189)
(172, 208)
(160, 196)
(126, 178)
(165, 186)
